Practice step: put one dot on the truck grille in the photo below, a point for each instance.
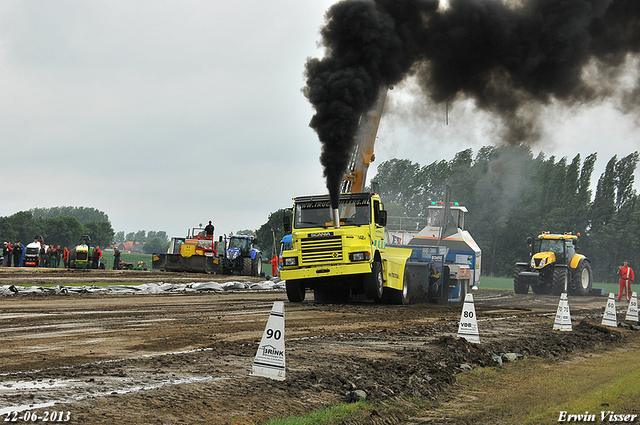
(321, 250)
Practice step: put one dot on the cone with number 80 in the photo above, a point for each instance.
(468, 328)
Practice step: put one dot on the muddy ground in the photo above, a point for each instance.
(186, 358)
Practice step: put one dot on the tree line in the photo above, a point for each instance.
(65, 226)
(64, 229)
(512, 194)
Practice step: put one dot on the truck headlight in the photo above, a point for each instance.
(290, 261)
(359, 256)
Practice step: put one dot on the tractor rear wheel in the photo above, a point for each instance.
(295, 290)
(560, 280)
(246, 266)
(518, 286)
(256, 266)
(374, 282)
(581, 280)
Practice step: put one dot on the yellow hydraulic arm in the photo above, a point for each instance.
(365, 138)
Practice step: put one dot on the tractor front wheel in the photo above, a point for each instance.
(246, 266)
(518, 286)
(560, 280)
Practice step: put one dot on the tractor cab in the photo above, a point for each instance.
(548, 249)
(241, 257)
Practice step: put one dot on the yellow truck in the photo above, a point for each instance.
(343, 253)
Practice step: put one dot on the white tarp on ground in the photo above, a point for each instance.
(146, 288)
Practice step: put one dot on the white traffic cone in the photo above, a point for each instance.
(610, 317)
(270, 361)
(563, 315)
(468, 328)
(632, 311)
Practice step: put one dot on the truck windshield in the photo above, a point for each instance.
(353, 212)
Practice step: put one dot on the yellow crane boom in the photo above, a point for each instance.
(362, 156)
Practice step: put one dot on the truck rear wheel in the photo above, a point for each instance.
(518, 286)
(295, 290)
(374, 282)
(559, 284)
(402, 297)
(581, 280)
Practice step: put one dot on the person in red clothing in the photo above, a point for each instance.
(96, 257)
(626, 279)
(274, 265)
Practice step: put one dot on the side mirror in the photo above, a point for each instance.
(382, 218)
(529, 240)
(286, 224)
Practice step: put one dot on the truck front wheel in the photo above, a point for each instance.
(295, 291)
(374, 282)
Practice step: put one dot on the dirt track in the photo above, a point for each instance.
(166, 359)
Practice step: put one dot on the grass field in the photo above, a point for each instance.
(107, 259)
(532, 391)
(506, 283)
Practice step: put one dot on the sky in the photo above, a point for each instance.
(168, 114)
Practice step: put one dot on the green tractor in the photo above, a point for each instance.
(80, 257)
(554, 267)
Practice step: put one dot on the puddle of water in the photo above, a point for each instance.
(9, 386)
(55, 392)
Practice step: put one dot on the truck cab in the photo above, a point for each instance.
(339, 260)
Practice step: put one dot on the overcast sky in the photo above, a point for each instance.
(165, 115)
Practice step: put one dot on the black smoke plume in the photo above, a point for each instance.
(510, 57)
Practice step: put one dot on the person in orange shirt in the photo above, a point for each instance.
(626, 279)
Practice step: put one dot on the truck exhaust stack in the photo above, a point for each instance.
(336, 218)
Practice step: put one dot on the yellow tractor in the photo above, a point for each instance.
(554, 267)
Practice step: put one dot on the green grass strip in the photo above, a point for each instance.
(328, 415)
